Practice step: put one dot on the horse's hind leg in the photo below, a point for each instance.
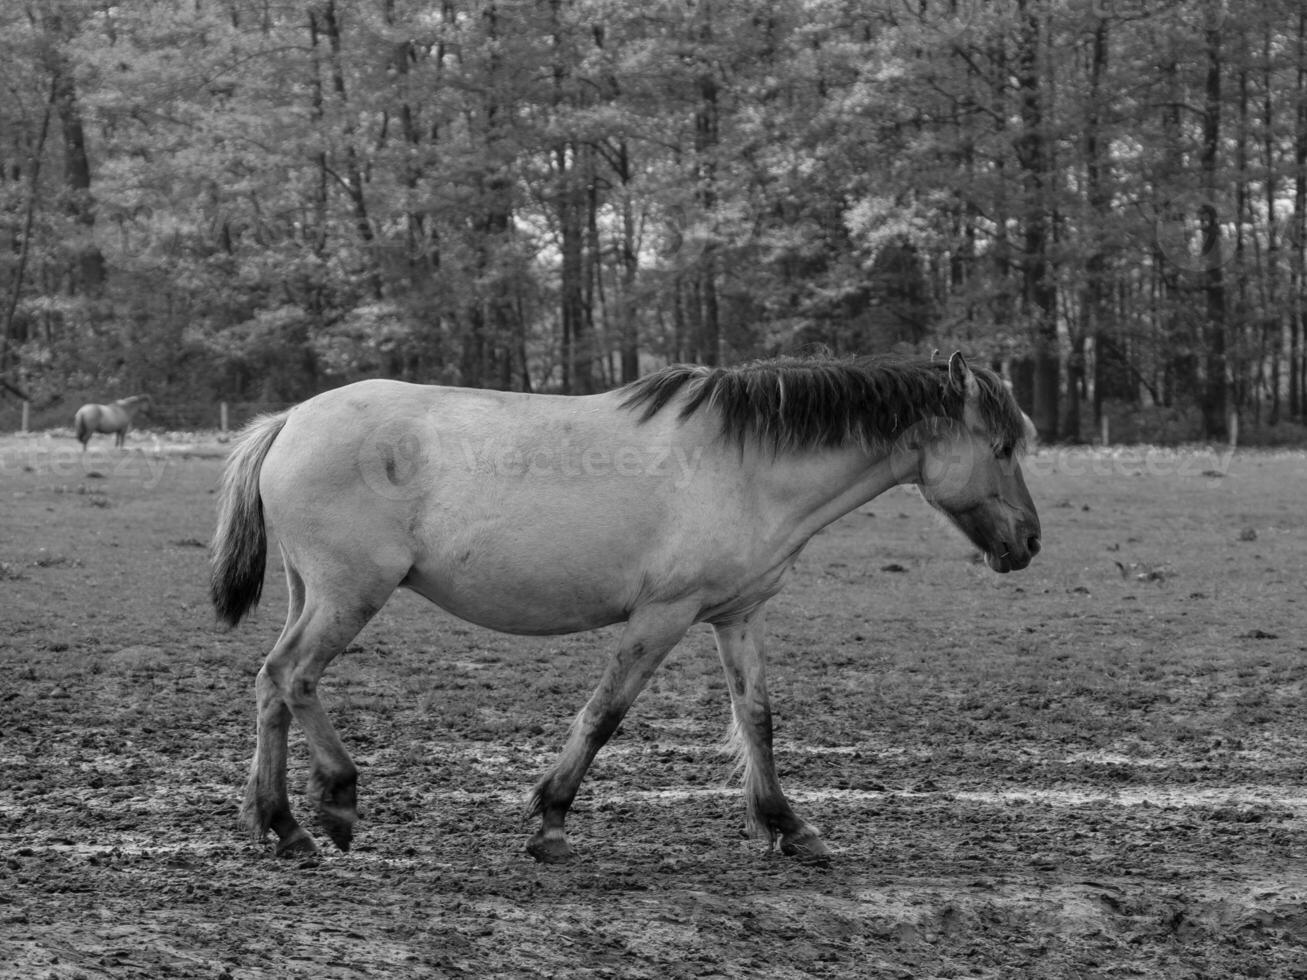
(740, 645)
(650, 634)
(267, 803)
(318, 628)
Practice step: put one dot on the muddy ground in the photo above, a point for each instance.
(1094, 768)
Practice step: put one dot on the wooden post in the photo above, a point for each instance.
(27, 411)
(1102, 428)
(222, 416)
(1232, 426)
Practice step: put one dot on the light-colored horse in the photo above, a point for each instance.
(683, 498)
(115, 418)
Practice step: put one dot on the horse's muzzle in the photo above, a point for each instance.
(1013, 558)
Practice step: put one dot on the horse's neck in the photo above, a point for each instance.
(807, 491)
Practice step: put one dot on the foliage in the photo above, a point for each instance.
(226, 198)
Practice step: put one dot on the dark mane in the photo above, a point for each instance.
(799, 403)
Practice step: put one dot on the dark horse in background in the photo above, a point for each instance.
(116, 418)
(682, 498)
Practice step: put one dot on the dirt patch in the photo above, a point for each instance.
(1093, 768)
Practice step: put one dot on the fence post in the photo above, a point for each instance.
(27, 411)
(1102, 428)
(222, 416)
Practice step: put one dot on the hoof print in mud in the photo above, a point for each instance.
(808, 849)
(547, 851)
(297, 847)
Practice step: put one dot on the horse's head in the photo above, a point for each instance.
(968, 467)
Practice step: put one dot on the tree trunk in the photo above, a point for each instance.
(577, 341)
(87, 272)
(1298, 233)
(1214, 400)
(1094, 298)
(1177, 339)
(1274, 323)
(490, 345)
(706, 137)
(11, 333)
(1039, 291)
(629, 326)
(352, 180)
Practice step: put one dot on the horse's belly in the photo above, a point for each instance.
(525, 604)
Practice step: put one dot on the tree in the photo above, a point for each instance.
(255, 201)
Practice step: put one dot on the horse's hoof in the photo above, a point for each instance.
(339, 826)
(550, 850)
(806, 847)
(298, 845)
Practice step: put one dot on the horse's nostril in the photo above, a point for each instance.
(1032, 545)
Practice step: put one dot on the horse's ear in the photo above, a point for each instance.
(959, 375)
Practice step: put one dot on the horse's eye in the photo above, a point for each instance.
(1004, 452)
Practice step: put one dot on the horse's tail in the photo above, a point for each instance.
(240, 542)
(80, 426)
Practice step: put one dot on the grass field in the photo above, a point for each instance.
(1093, 768)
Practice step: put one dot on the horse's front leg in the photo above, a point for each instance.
(650, 634)
(740, 645)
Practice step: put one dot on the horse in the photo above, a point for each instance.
(684, 497)
(116, 418)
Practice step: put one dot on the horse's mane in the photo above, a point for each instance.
(808, 403)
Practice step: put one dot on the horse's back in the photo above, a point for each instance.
(411, 430)
(400, 449)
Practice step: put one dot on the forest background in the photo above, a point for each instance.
(254, 200)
